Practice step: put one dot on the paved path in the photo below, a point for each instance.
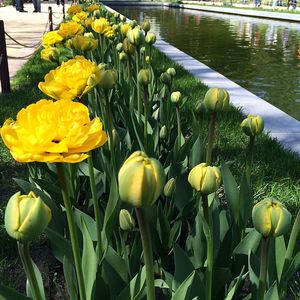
(27, 29)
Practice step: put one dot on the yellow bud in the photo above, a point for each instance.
(271, 218)
(147, 59)
(169, 187)
(50, 54)
(175, 97)
(119, 47)
(141, 180)
(116, 15)
(122, 56)
(127, 47)
(253, 125)
(150, 38)
(171, 72)
(216, 99)
(136, 36)
(146, 25)
(126, 220)
(133, 23)
(26, 217)
(144, 77)
(108, 79)
(163, 133)
(205, 179)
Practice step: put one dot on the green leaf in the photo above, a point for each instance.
(245, 201)
(182, 293)
(293, 268)
(70, 277)
(249, 242)
(235, 287)
(272, 293)
(89, 261)
(7, 293)
(280, 250)
(254, 267)
(89, 222)
(196, 155)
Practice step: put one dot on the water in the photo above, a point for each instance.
(262, 56)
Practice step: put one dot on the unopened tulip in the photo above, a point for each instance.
(175, 97)
(271, 218)
(146, 25)
(165, 78)
(150, 38)
(122, 56)
(26, 217)
(144, 77)
(108, 79)
(126, 220)
(169, 187)
(205, 179)
(128, 47)
(163, 133)
(216, 99)
(136, 36)
(171, 72)
(141, 180)
(119, 47)
(253, 125)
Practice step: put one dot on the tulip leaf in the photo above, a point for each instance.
(89, 260)
(249, 242)
(254, 267)
(272, 293)
(197, 151)
(7, 293)
(69, 274)
(280, 251)
(293, 268)
(245, 201)
(234, 288)
(89, 222)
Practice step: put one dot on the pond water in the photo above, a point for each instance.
(261, 55)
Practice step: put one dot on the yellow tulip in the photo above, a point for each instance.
(150, 38)
(80, 17)
(136, 36)
(141, 180)
(26, 217)
(271, 218)
(74, 9)
(124, 29)
(100, 25)
(51, 38)
(70, 29)
(72, 79)
(205, 179)
(93, 7)
(53, 131)
(83, 43)
(216, 99)
(253, 125)
(175, 97)
(50, 54)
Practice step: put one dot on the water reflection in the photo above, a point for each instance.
(261, 55)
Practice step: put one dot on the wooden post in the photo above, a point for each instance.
(4, 73)
(64, 9)
(50, 18)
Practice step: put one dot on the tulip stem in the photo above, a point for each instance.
(178, 127)
(139, 102)
(210, 253)
(72, 229)
(145, 115)
(263, 268)
(250, 158)
(147, 248)
(210, 139)
(95, 203)
(29, 270)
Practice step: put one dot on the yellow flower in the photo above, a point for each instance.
(100, 25)
(50, 54)
(51, 38)
(124, 29)
(70, 29)
(53, 131)
(72, 79)
(80, 17)
(74, 10)
(216, 99)
(253, 125)
(26, 217)
(88, 22)
(109, 32)
(82, 43)
(93, 7)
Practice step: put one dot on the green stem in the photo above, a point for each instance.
(263, 268)
(210, 139)
(145, 114)
(178, 127)
(250, 158)
(210, 252)
(72, 229)
(96, 204)
(139, 101)
(147, 248)
(131, 104)
(29, 270)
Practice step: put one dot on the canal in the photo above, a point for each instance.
(261, 55)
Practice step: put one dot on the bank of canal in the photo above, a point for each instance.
(260, 55)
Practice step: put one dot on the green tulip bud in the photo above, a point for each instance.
(169, 188)
(171, 72)
(109, 79)
(142, 50)
(141, 180)
(26, 217)
(122, 56)
(146, 25)
(126, 220)
(216, 99)
(150, 38)
(147, 59)
(165, 78)
(127, 47)
(116, 15)
(271, 218)
(175, 97)
(136, 36)
(205, 179)
(119, 47)
(253, 125)
(133, 23)
(144, 77)
(163, 133)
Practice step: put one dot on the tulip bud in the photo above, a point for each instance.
(142, 50)
(133, 23)
(119, 47)
(169, 188)
(136, 36)
(141, 180)
(144, 77)
(253, 125)
(147, 59)
(216, 99)
(146, 25)
(122, 56)
(171, 72)
(50, 54)
(150, 38)
(127, 47)
(175, 97)
(205, 179)
(163, 133)
(26, 217)
(165, 78)
(108, 79)
(271, 218)
(116, 15)
(126, 220)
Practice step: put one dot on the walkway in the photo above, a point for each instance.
(27, 29)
